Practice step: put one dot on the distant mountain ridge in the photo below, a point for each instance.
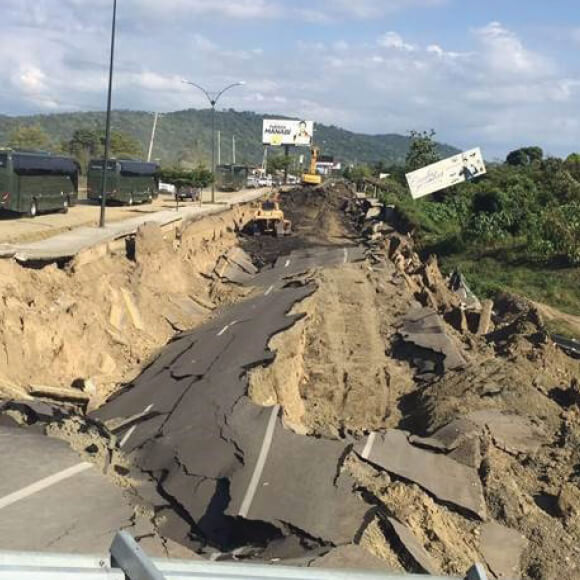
(186, 135)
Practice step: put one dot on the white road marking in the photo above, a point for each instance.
(269, 290)
(223, 330)
(258, 470)
(345, 260)
(287, 263)
(130, 431)
(43, 484)
(368, 446)
(226, 327)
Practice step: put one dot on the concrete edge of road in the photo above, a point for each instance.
(70, 243)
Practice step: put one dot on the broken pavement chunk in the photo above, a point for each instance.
(446, 479)
(424, 328)
(502, 548)
(447, 437)
(414, 547)
(231, 272)
(300, 484)
(237, 256)
(512, 433)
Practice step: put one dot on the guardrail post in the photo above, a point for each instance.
(127, 555)
(476, 572)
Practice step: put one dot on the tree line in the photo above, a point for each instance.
(527, 206)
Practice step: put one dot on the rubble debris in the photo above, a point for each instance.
(458, 285)
(568, 503)
(424, 328)
(510, 432)
(300, 486)
(413, 547)
(485, 317)
(59, 394)
(502, 548)
(448, 480)
(231, 271)
(447, 437)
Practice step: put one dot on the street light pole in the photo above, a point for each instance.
(108, 122)
(213, 151)
(213, 99)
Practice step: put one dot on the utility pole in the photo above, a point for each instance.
(219, 135)
(152, 136)
(108, 122)
(265, 160)
(233, 149)
(213, 99)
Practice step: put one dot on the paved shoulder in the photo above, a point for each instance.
(50, 500)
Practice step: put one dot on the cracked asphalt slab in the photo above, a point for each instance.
(50, 500)
(234, 476)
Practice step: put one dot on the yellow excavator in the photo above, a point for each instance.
(311, 177)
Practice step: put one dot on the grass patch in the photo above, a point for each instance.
(557, 286)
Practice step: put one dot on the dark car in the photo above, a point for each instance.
(188, 192)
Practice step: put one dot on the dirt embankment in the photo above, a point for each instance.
(499, 399)
(104, 314)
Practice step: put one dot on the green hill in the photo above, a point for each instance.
(186, 135)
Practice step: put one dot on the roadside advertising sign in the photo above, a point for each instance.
(284, 132)
(451, 171)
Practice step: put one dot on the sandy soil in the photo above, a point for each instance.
(107, 312)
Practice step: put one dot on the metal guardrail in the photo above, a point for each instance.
(127, 561)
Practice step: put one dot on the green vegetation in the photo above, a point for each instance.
(516, 228)
(28, 137)
(183, 138)
(198, 177)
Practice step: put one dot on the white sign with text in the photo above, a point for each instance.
(451, 171)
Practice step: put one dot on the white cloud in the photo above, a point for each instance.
(492, 90)
(504, 52)
(394, 40)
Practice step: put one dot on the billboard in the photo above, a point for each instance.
(285, 132)
(457, 169)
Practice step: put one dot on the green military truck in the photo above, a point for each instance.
(128, 181)
(231, 177)
(34, 181)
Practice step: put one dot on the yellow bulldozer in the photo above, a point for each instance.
(268, 218)
(311, 177)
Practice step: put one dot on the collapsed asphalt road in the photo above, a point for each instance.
(231, 475)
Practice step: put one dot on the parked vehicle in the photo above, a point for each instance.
(167, 188)
(252, 182)
(265, 181)
(34, 182)
(128, 181)
(231, 177)
(188, 192)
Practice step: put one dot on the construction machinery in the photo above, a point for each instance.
(311, 177)
(268, 218)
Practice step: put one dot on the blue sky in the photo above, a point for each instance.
(496, 74)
